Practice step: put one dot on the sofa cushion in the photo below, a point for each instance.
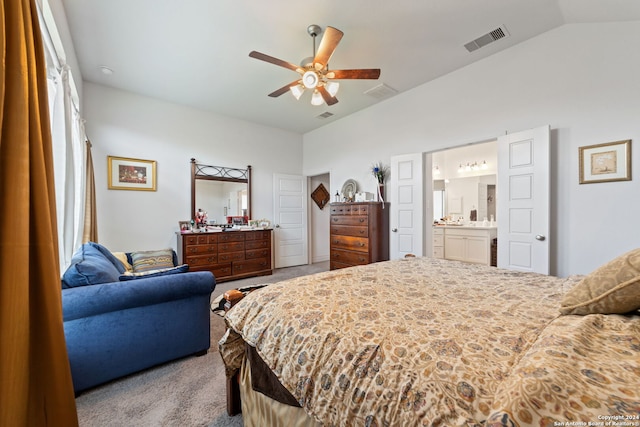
(154, 273)
(90, 265)
(152, 260)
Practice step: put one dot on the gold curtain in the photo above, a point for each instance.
(90, 229)
(35, 378)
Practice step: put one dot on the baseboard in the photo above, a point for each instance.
(320, 259)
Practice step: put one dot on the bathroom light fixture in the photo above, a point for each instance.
(473, 166)
(436, 170)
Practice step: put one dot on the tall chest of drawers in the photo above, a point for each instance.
(359, 233)
(228, 255)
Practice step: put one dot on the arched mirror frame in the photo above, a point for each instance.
(218, 173)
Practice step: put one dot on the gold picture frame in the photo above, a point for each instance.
(606, 162)
(125, 173)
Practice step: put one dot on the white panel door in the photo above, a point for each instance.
(290, 220)
(523, 201)
(407, 210)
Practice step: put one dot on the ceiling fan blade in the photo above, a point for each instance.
(275, 61)
(330, 100)
(328, 44)
(283, 89)
(370, 73)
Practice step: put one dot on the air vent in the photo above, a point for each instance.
(497, 34)
(325, 115)
(381, 91)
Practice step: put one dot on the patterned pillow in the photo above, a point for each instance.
(122, 257)
(152, 260)
(612, 288)
(154, 273)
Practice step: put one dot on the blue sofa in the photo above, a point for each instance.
(116, 323)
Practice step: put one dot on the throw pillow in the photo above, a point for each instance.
(612, 288)
(154, 273)
(152, 260)
(122, 257)
(90, 265)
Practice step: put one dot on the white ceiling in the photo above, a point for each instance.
(195, 52)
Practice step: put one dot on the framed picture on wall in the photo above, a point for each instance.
(606, 162)
(131, 174)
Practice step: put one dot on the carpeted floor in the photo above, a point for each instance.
(186, 392)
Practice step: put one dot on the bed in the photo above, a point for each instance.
(429, 342)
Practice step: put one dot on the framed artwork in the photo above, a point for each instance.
(606, 162)
(321, 196)
(131, 174)
(184, 225)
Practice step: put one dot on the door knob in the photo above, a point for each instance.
(540, 237)
(277, 225)
(395, 230)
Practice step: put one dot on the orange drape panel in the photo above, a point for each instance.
(90, 233)
(35, 379)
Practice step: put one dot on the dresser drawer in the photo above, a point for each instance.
(438, 240)
(231, 256)
(258, 253)
(257, 244)
(360, 210)
(349, 220)
(231, 236)
(346, 230)
(221, 270)
(250, 266)
(230, 247)
(360, 244)
(202, 260)
(257, 235)
(349, 257)
(200, 239)
(201, 249)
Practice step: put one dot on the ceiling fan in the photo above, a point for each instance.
(314, 71)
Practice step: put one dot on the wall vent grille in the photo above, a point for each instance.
(497, 34)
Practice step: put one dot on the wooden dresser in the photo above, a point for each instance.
(359, 233)
(229, 255)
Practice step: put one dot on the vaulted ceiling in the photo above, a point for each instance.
(195, 52)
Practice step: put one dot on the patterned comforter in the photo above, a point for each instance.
(426, 342)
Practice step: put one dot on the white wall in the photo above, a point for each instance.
(123, 124)
(581, 79)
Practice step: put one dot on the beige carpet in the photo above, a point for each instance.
(186, 392)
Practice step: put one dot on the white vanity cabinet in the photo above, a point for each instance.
(438, 242)
(468, 244)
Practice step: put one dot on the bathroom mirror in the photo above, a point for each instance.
(223, 193)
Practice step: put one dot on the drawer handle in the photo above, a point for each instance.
(361, 231)
(361, 219)
(362, 245)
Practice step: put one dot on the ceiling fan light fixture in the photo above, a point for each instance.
(297, 90)
(316, 98)
(332, 88)
(310, 79)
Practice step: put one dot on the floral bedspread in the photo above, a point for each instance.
(426, 342)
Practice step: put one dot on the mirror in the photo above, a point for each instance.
(223, 193)
(458, 196)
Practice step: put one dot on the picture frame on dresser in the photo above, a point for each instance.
(184, 226)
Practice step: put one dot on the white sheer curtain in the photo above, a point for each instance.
(69, 154)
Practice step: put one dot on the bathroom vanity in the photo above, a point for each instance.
(465, 243)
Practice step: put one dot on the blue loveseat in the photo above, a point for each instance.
(117, 323)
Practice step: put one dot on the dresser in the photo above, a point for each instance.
(359, 233)
(229, 255)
